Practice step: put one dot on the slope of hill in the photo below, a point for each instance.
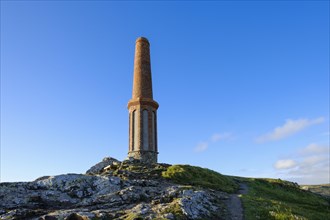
(323, 189)
(266, 198)
(278, 199)
(132, 190)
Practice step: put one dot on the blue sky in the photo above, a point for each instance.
(243, 86)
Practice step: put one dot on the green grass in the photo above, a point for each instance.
(133, 216)
(266, 198)
(201, 177)
(175, 209)
(277, 199)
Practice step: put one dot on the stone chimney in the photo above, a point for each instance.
(142, 108)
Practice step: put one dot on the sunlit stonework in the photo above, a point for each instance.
(142, 108)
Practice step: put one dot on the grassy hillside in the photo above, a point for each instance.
(266, 198)
(277, 199)
(197, 176)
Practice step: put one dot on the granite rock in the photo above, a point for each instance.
(109, 190)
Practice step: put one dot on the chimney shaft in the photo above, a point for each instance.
(142, 85)
(142, 108)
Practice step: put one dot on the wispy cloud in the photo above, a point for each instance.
(220, 136)
(314, 149)
(285, 164)
(203, 146)
(309, 165)
(289, 128)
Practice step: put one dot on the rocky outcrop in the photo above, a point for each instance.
(110, 190)
(106, 163)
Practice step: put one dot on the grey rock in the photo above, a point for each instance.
(98, 168)
(195, 204)
(109, 190)
(169, 216)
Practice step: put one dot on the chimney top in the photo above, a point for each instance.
(142, 39)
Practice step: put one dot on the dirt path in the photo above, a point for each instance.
(234, 203)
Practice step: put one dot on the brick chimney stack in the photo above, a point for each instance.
(142, 85)
(142, 108)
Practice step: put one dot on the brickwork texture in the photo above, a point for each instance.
(142, 108)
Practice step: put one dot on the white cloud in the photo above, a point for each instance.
(285, 164)
(312, 160)
(314, 149)
(309, 165)
(289, 128)
(220, 136)
(312, 170)
(201, 147)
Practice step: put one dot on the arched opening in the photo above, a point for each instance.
(134, 129)
(145, 133)
(130, 130)
(154, 130)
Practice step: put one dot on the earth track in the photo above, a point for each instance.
(234, 203)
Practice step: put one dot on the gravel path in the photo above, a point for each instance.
(235, 205)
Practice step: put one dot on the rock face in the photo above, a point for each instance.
(110, 190)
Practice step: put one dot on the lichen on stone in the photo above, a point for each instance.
(109, 190)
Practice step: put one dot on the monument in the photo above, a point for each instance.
(142, 108)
